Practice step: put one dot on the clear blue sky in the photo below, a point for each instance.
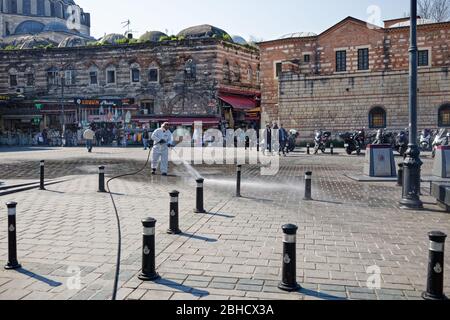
(264, 19)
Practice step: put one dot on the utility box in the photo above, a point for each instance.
(441, 167)
(380, 162)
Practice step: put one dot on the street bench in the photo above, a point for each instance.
(442, 194)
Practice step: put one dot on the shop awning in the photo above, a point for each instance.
(188, 121)
(239, 102)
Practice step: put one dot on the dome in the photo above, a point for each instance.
(299, 35)
(152, 36)
(34, 42)
(56, 27)
(73, 41)
(407, 23)
(112, 38)
(203, 31)
(239, 40)
(29, 27)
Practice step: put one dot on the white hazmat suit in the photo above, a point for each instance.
(162, 140)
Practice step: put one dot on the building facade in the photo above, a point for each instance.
(142, 84)
(355, 75)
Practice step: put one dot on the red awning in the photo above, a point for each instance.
(239, 102)
(189, 121)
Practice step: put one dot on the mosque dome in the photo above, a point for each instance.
(72, 41)
(299, 35)
(32, 42)
(29, 27)
(203, 31)
(152, 36)
(239, 40)
(112, 38)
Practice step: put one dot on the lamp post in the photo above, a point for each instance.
(63, 118)
(412, 165)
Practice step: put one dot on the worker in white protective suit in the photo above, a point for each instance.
(163, 140)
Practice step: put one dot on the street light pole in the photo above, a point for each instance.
(63, 119)
(412, 165)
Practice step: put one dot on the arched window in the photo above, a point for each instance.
(190, 71)
(377, 118)
(153, 73)
(444, 115)
(135, 73)
(13, 77)
(237, 72)
(111, 75)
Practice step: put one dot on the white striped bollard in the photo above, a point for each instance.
(101, 179)
(42, 173)
(435, 279)
(148, 251)
(308, 186)
(174, 213)
(238, 181)
(199, 202)
(289, 276)
(12, 238)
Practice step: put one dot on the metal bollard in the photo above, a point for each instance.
(101, 179)
(289, 280)
(238, 181)
(200, 208)
(332, 148)
(12, 238)
(42, 182)
(400, 175)
(435, 282)
(308, 186)
(174, 213)
(148, 252)
(308, 151)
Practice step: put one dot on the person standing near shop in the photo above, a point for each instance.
(145, 138)
(162, 138)
(89, 136)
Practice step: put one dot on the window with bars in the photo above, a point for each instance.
(135, 75)
(111, 76)
(153, 75)
(93, 76)
(13, 80)
(444, 116)
(363, 59)
(377, 118)
(307, 58)
(423, 58)
(341, 61)
(278, 69)
(52, 77)
(30, 79)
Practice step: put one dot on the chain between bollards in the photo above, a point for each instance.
(42, 175)
(174, 213)
(435, 279)
(12, 238)
(101, 179)
(289, 272)
(200, 206)
(308, 186)
(148, 251)
(238, 181)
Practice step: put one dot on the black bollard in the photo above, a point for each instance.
(308, 186)
(400, 175)
(200, 208)
(332, 148)
(174, 213)
(101, 179)
(435, 282)
(308, 151)
(238, 181)
(12, 238)
(148, 251)
(42, 182)
(289, 280)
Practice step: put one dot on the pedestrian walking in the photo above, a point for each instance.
(89, 136)
(283, 138)
(145, 138)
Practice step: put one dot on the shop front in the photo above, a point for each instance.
(240, 110)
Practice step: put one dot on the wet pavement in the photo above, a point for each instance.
(68, 233)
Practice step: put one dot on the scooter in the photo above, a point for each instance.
(441, 139)
(321, 139)
(402, 141)
(352, 142)
(426, 140)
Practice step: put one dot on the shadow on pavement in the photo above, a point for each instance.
(33, 275)
(26, 149)
(326, 201)
(182, 288)
(220, 215)
(319, 295)
(193, 236)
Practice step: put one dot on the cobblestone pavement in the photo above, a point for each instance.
(68, 233)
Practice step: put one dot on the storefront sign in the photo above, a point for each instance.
(104, 102)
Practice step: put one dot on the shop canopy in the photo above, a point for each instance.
(187, 121)
(242, 103)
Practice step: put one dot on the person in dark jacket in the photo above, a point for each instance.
(268, 138)
(145, 138)
(283, 138)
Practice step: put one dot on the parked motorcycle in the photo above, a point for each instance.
(426, 140)
(321, 139)
(353, 142)
(401, 143)
(292, 138)
(441, 139)
(383, 137)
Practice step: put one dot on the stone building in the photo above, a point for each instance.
(355, 75)
(195, 76)
(45, 21)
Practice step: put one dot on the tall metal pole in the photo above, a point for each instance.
(63, 119)
(412, 165)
